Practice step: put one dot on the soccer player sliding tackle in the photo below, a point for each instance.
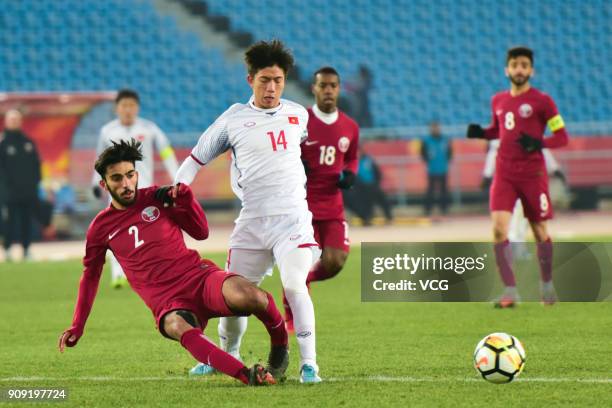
(330, 159)
(143, 230)
(520, 117)
(275, 225)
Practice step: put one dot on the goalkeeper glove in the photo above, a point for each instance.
(163, 194)
(529, 144)
(475, 131)
(346, 180)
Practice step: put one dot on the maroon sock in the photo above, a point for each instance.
(206, 352)
(288, 312)
(545, 254)
(272, 319)
(317, 273)
(503, 258)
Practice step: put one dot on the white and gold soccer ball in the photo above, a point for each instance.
(499, 358)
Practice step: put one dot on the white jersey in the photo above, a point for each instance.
(489, 168)
(267, 172)
(151, 137)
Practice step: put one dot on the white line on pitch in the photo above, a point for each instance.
(375, 378)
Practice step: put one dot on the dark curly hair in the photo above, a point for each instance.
(118, 152)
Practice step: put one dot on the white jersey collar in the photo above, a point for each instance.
(268, 111)
(327, 118)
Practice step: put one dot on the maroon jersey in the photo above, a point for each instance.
(328, 151)
(528, 113)
(147, 241)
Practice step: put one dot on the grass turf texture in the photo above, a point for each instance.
(371, 354)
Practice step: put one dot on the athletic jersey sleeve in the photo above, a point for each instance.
(166, 153)
(95, 252)
(213, 142)
(555, 123)
(492, 131)
(188, 214)
(351, 162)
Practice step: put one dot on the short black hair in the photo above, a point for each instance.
(520, 51)
(325, 70)
(127, 94)
(117, 153)
(264, 54)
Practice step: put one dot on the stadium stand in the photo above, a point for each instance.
(440, 62)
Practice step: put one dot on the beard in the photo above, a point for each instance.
(126, 202)
(519, 80)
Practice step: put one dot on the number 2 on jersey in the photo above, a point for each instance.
(279, 141)
(134, 231)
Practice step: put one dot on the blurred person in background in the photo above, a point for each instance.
(129, 125)
(368, 192)
(437, 152)
(20, 172)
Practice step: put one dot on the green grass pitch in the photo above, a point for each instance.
(370, 354)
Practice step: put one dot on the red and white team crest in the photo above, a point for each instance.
(525, 110)
(343, 144)
(294, 120)
(150, 214)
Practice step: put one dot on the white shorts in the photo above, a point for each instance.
(256, 243)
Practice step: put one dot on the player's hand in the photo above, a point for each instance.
(475, 131)
(97, 191)
(529, 144)
(346, 180)
(167, 194)
(560, 175)
(69, 338)
(485, 184)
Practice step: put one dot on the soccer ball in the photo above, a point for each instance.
(499, 358)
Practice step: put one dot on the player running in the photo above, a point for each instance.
(330, 159)
(274, 225)
(129, 125)
(520, 117)
(143, 229)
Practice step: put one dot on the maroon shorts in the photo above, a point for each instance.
(202, 296)
(533, 194)
(332, 233)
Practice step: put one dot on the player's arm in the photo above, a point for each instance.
(184, 209)
(95, 252)
(166, 153)
(351, 163)
(213, 142)
(475, 131)
(554, 121)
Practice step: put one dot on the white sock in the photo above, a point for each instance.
(116, 269)
(231, 330)
(294, 269)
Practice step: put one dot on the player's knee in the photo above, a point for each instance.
(500, 232)
(178, 322)
(333, 263)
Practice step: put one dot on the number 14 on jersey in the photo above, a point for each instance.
(278, 140)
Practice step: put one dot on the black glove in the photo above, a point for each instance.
(485, 184)
(529, 144)
(97, 191)
(306, 169)
(475, 131)
(559, 174)
(161, 194)
(346, 180)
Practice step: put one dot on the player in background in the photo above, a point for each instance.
(129, 125)
(143, 228)
(517, 230)
(519, 119)
(330, 160)
(267, 174)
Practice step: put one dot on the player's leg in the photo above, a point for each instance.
(11, 229)
(444, 194)
(26, 215)
(538, 209)
(244, 298)
(502, 199)
(183, 325)
(333, 238)
(118, 279)
(429, 194)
